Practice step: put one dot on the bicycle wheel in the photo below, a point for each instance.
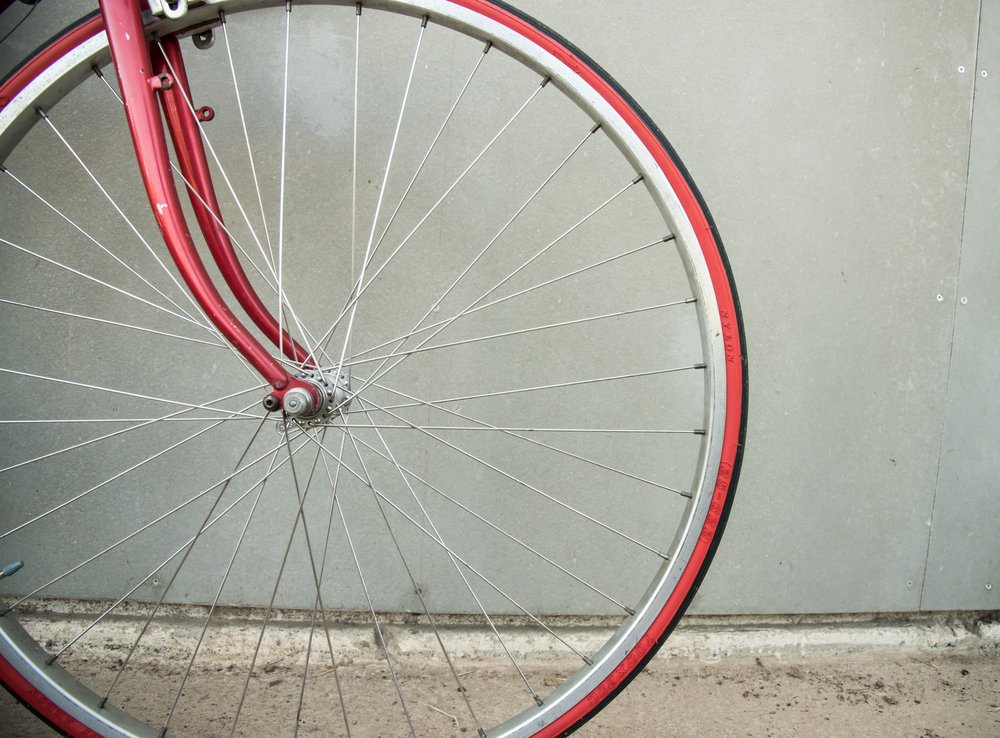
(523, 303)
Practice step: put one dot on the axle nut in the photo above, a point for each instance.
(298, 402)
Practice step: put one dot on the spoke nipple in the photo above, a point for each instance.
(588, 661)
(630, 611)
(97, 70)
(272, 403)
(12, 568)
(424, 21)
(482, 733)
(489, 45)
(102, 703)
(699, 366)
(699, 431)
(357, 8)
(596, 128)
(41, 113)
(546, 81)
(222, 17)
(669, 237)
(637, 180)
(538, 700)
(50, 660)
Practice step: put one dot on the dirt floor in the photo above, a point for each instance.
(926, 694)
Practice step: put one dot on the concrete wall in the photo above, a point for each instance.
(848, 153)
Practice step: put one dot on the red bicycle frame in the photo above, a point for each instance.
(150, 80)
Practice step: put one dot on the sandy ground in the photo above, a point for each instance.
(941, 693)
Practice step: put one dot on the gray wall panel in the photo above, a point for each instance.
(963, 558)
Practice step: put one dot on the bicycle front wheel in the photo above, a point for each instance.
(525, 313)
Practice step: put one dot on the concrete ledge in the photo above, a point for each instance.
(831, 635)
(234, 633)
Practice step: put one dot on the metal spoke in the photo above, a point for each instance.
(246, 138)
(188, 545)
(95, 280)
(506, 428)
(283, 304)
(136, 395)
(379, 635)
(430, 148)
(215, 602)
(267, 278)
(116, 323)
(142, 580)
(519, 293)
(133, 534)
(416, 174)
(299, 517)
(466, 564)
(110, 479)
(517, 213)
(207, 325)
(317, 579)
(409, 473)
(522, 331)
(334, 485)
(366, 480)
(117, 259)
(513, 432)
(382, 370)
(451, 555)
(324, 340)
(498, 234)
(281, 181)
(138, 425)
(381, 196)
(409, 573)
(558, 385)
(360, 286)
(529, 486)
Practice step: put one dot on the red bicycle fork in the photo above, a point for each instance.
(151, 76)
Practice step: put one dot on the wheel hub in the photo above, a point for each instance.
(334, 391)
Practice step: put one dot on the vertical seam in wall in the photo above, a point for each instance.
(954, 321)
